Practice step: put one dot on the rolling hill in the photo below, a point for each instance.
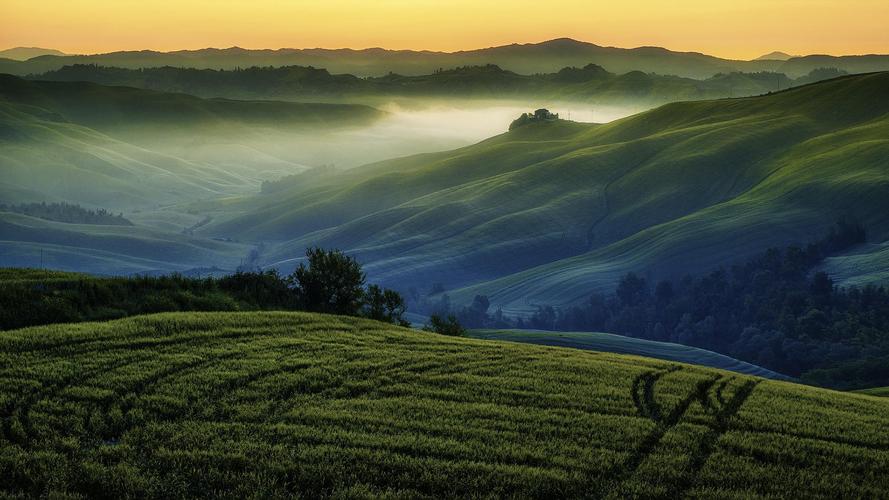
(110, 250)
(291, 404)
(619, 344)
(775, 56)
(25, 53)
(529, 58)
(121, 147)
(112, 108)
(551, 211)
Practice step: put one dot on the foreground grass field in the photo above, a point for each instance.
(291, 404)
(621, 344)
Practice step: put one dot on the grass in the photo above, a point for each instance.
(607, 342)
(291, 404)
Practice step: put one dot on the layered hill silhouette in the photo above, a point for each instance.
(589, 83)
(553, 210)
(25, 53)
(530, 58)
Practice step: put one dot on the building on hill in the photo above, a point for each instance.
(540, 115)
(544, 114)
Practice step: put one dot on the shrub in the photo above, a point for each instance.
(445, 326)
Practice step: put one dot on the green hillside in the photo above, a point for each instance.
(553, 210)
(281, 404)
(620, 344)
(47, 158)
(105, 107)
(109, 250)
(123, 147)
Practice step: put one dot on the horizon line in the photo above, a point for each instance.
(417, 50)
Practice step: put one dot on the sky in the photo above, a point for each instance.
(740, 29)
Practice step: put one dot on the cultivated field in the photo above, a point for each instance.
(281, 404)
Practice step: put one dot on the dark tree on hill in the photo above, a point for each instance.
(384, 305)
(445, 326)
(332, 282)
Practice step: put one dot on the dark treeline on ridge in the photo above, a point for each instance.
(67, 212)
(772, 310)
(331, 282)
(488, 80)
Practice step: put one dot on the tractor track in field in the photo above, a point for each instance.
(710, 394)
(722, 416)
(24, 407)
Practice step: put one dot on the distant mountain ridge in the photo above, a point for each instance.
(25, 53)
(529, 58)
(775, 56)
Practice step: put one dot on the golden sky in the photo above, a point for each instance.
(736, 29)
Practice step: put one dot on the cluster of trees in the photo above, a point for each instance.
(66, 212)
(537, 116)
(479, 80)
(774, 310)
(329, 282)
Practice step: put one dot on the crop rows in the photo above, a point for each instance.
(290, 404)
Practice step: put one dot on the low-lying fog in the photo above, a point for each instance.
(448, 125)
(200, 163)
(254, 154)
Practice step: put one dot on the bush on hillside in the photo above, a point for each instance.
(445, 326)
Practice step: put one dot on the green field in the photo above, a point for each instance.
(281, 404)
(620, 344)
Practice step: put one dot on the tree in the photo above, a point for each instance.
(631, 289)
(384, 305)
(331, 283)
(445, 326)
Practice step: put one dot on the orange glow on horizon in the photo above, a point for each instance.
(740, 30)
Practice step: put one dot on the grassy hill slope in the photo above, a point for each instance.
(123, 147)
(553, 210)
(109, 250)
(620, 344)
(278, 404)
(106, 107)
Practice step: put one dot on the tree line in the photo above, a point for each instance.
(328, 282)
(775, 310)
(67, 212)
